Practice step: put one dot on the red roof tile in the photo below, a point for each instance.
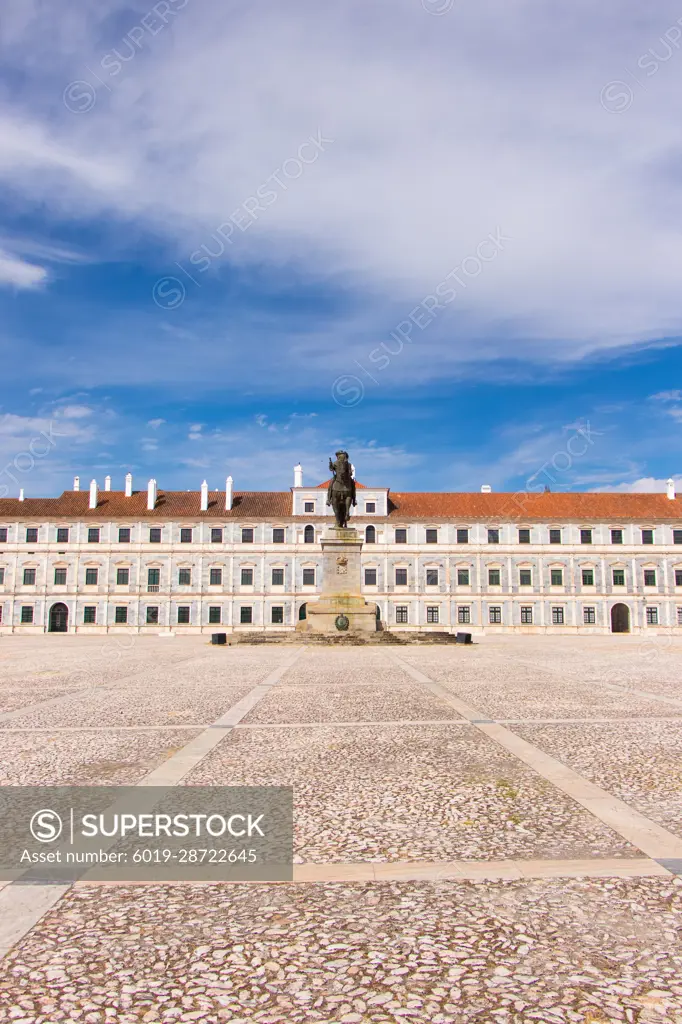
(327, 483)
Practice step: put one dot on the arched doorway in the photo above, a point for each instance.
(302, 612)
(620, 618)
(59, 618)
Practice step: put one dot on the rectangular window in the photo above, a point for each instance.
(308, 577)
(278, 577)
(401, 536)
(432, 536)
(184, 577)
(432, 577)
(62, 535)
(29, 577)
(589, 616)
(678, 577)
(27, 613)
(462, 536)
(464, 615)
(2, 576)
(527, 616)
(31, 535)
(619, 577)
(152, 615)
(557, 616)
(495, 616)
(90, 615)
(247, 577)
(308, 506)
(216, 535)
(124, 535)
(432, 613)
(214, 615)
(462, 577)
(246, 614)
(186, 535)
(278, 535)
(588, 577)
(586, 536)
(60, 577)
(493, 536)
(370, 577)
(401, 614)
(401, 577)
(525, 578)
(91, 577)
(677, 536)
(679, 616)
(3, 535)
(277, 616)
(247, 535)
(616, 536)
(155, 535)
(524, 536)
(556, 577)
(122, 577)
(183, 615)
(370, 506)
(555, 536)
(649, 577)
(647, 536)
(493, 577)
(93, 535)
(121, 614)
(215, 577)
(153, 577)
(652, 616)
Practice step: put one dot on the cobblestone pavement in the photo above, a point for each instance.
(386, 772)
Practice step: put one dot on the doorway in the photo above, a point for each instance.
(59, 618)
(620, 618)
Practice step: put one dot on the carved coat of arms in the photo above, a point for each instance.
(342, 565)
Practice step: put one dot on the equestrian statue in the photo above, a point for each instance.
(341, 490)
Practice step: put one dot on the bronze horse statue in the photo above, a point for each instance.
(341, 490)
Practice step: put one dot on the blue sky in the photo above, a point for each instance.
(445, 235)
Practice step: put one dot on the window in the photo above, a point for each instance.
(401, 614)
(555, 536)
(525, 578)
(493, 536)
(589, 616)
(370, 577)
(183, 614)
(215, 577)
(649, 577)
(527, 616)
(247, 577)
(678, 577)
(60, 577)
(616, 536)
(3, 534)
(62, 535)
(155, 535)
(247, 535)
(309, 506)
(647, 536)
(278, 535)
(124, 535)
(588, 577)
(462, 536)
(557, 616)
(2, 580)
(184, 577)
(524, 536)
(462, 577)
(29, 577)
(309, 535)
(586, 536)
(246, 614)
(370, 535)
(121, 614)
(31, 535)
(677, 536)
(493, 577)
(27, 613)
(308, 577)
(278, 577)
(93, 535)
(153, 577)
(495, 616)
(432, 613)
(214, 615)
(652, 616)
(401, 536)
(401, 577)
(91, 577)
(277, 616)
(432, 577)
(679, 616)
(186, 535)
(90, 615)
(619, 577)
(432, 536)
(556, 577)
(152, 615)
(216, 535)
(464, 614)
(370, 506)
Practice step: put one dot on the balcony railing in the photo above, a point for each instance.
(153, 588)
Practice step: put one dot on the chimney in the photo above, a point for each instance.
(229, 497)
(670, 488)
(129, 485)
(76, 483)
(486, 489)
(93, 494)
(151, 494)
(107, 483)
(21, 494)
(204, 497)
(298, 475)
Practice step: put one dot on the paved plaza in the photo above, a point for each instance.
(488, 834)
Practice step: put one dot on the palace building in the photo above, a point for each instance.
(197, 561)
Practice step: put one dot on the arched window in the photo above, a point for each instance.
(309, 535)
(370, 535)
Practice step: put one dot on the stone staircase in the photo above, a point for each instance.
(380, 638)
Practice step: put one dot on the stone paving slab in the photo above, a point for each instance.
(456, 952)
(346, 703)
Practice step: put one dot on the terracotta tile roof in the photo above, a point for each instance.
(169, 505)
(327, 483)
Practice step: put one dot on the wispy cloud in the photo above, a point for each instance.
(19, 273)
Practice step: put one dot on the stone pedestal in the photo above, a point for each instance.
(341, 598)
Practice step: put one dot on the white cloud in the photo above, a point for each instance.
(20, 274)
(667, 396)
(646, 485)
(75, 412)
(155, 424)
